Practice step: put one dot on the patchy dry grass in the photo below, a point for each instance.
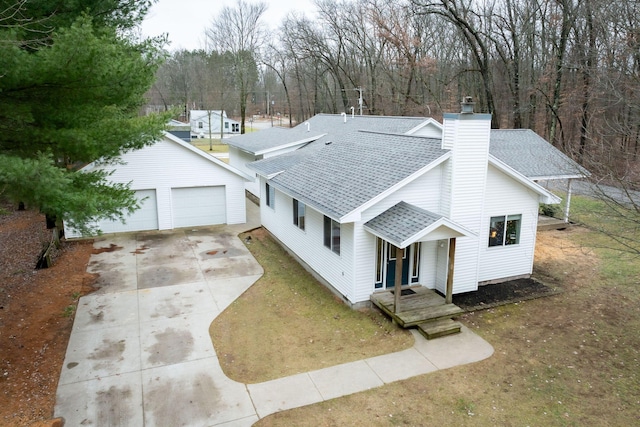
(289, 323)
(572, 359)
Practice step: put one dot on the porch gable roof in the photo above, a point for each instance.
(404, 224)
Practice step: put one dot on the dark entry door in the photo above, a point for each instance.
(391, 266)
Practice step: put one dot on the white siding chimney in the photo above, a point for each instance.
(467, 135)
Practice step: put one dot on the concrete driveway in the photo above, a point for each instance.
(140, 352)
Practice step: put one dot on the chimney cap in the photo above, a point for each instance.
(467, 105)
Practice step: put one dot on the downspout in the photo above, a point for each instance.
(568, 204)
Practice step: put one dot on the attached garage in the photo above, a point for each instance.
(145, 218)
(179, 185)
(197, 206)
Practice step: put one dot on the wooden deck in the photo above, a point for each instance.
(423, 305)
(549, 223)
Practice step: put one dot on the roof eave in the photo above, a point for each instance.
(289, 145)
(545, 195)
(356, 214)
(456, 230)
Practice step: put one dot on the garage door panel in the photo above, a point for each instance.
(145, 218)
(197, 206)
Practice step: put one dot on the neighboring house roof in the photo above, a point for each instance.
(405, 224)
(347, 174)
(531, 155)
(323, 125)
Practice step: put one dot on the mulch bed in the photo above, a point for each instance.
(489, 296)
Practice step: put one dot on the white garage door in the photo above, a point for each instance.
(198, 206)
(145, 218)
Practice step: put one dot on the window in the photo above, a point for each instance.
(271, 196)
(504, 230)
(226, 125)
(332, 235)
(298, 214)
(235, 127)
(200, 125)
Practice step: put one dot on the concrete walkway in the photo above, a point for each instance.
(140, 353)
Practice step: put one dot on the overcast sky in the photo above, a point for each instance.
(186, 20)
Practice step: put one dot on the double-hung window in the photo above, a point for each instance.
(504, 230)
(271, 195)
(332, 234)
(298, 214)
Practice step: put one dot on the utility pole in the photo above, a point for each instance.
(360, 102)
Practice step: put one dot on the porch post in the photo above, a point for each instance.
(398, 280)
(452, 257)
(568, 204)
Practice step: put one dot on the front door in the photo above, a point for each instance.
(386, 264)
(391, 266)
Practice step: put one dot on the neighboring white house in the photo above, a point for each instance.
(178, 186)
(344, 202)
(276, 141)
(207, 122)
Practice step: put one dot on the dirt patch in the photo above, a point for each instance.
(36, 315)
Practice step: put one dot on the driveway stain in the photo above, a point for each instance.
(199, 397)
(172, 346)
(113, 408)
(109, 350)
(165, 276)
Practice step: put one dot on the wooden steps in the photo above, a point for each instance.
(429, 314)
(439, 328)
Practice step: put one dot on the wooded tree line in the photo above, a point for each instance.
(568, 69)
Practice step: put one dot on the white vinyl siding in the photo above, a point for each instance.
(240, 159)
(196, 206)
(309, 245)
(423, 192)
(166, 165)
(506, 196)
(468, 138)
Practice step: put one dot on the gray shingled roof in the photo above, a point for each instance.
(269, 138)
(531, 155)
(333, 124)
(351, 171)
(401, 222)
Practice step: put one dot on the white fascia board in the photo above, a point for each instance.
(558, 177)
(356, 214)
(546, 196)
(456, 230)
(290, 144)
(209, 157)
(427, 122)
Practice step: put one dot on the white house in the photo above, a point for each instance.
(178, 186)
(207, 122)
(344, 203)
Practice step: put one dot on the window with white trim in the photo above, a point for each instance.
(270, 195)
(200, 125)
(332, 234)
(504, 230)
(298, 214)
